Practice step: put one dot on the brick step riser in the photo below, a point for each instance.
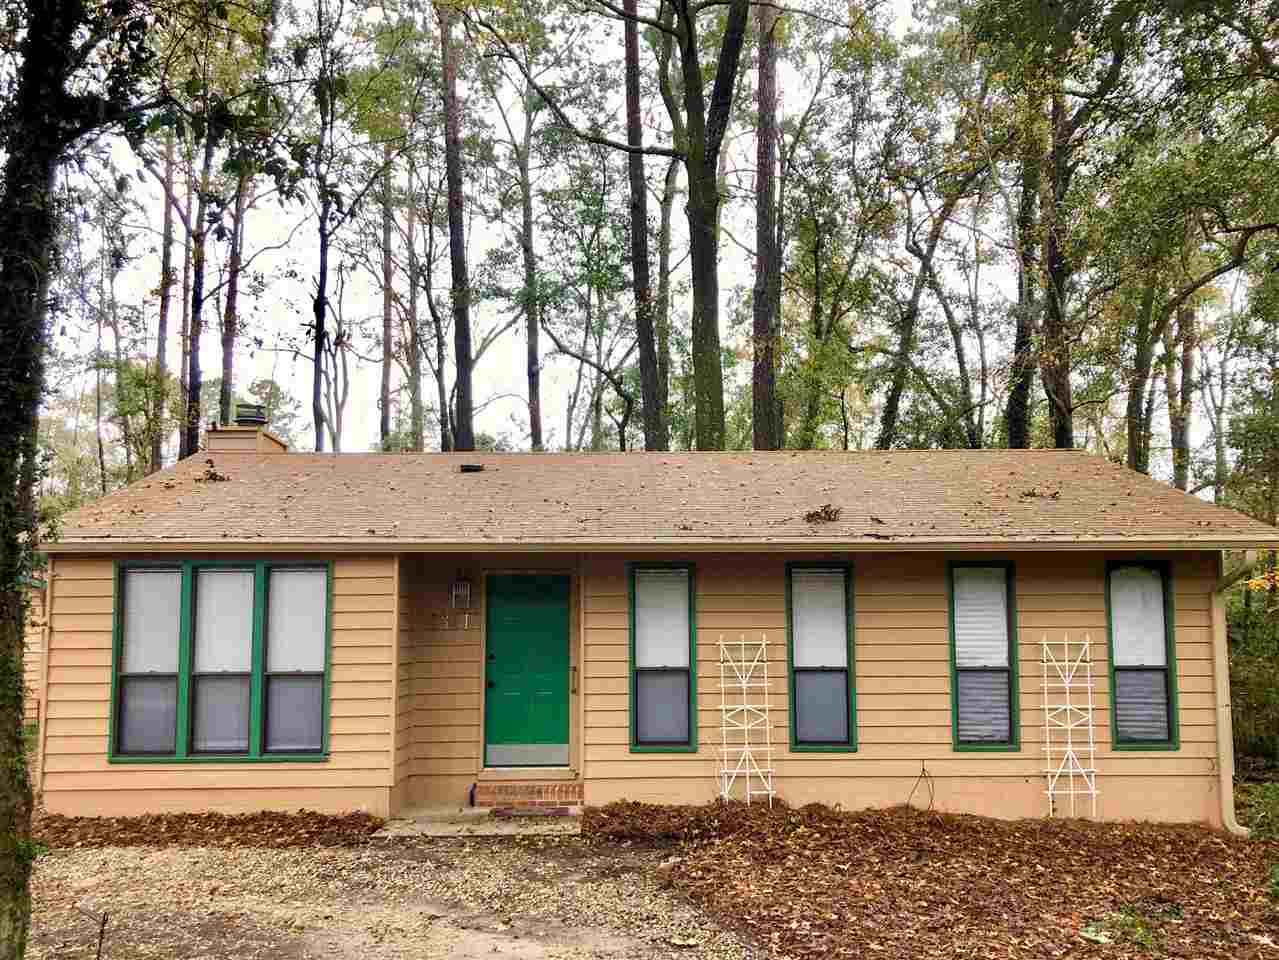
(528, 795)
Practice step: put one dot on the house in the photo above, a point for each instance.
(255, 628)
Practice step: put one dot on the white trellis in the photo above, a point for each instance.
(1070, 749)
(746, 739)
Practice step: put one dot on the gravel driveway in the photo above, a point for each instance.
(527, 899)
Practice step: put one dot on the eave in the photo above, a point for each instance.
(886, 544)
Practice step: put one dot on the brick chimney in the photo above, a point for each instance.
(247, 435)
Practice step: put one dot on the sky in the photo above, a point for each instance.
(279, 316)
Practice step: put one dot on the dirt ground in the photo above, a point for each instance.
(525, 899)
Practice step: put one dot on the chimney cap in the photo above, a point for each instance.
(250, 415)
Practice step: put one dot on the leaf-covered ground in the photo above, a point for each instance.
(272, 830)
(814, 882)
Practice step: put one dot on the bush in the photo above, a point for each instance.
(1254, 686)
(1258, 807)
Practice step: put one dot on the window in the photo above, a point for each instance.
(221, 661)
(223, 664)
(1142, 664)
(819, 601)
(983, 647)
(295, 659)
(148, 678)
(663, 686)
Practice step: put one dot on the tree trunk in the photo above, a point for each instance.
(159, 388)
(27, 224)
(464, 419)
(669, 190)
(655, 437)
(768, 267)
(1221, 466)
(320, 302)
(1181, 395)
(597, 394)
(806, 437)
(231, 313)
(708, 370)
(97, 394)
(1055, 359)
(1149, 416)
(388, 315)
(1137, 429)
(122, 410)
(319, 311)
(185, 334)
(532, 300)
(191, 425)
(413, 344)
(1021, 374)
(441, 370)
(705, 134)
(38, 119)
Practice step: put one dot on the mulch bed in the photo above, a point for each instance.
(815, 882)
(277, 830)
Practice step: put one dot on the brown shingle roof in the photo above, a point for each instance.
(907, 499)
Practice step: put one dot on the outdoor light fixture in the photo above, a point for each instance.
(460, 593)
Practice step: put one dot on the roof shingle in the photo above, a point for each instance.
(909, 499)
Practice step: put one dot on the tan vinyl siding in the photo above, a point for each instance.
(78, 778)
(406, 619)
(406, 717)
(32, 652)
(442, 667)
(903, 689)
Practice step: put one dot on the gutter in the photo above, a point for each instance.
(1225, 735)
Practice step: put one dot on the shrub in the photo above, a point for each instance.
(1258, 807)
(1254, 686)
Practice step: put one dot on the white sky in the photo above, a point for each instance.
(500, 386)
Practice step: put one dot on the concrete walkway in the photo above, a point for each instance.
(455, 821)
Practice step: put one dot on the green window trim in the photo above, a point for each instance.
(1013, 744)
(1164, 569)
(184, 751)
(690, 746)
(796, 746)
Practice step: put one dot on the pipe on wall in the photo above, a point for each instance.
(1221, 698)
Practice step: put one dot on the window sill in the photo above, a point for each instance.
(663, 748)
(823, 748)
(987, 747)
(1159, 746)
(222, 758)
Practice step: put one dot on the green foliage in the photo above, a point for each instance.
(1132, 923)
(283, 410)
(30, 740)
(1254, 705)
(29, 851)
(1252, 619)
(1257, 804)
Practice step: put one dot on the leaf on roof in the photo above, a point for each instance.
(826, 513)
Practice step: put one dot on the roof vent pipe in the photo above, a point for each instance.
(250, 415)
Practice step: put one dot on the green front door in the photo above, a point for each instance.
(526, 672)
